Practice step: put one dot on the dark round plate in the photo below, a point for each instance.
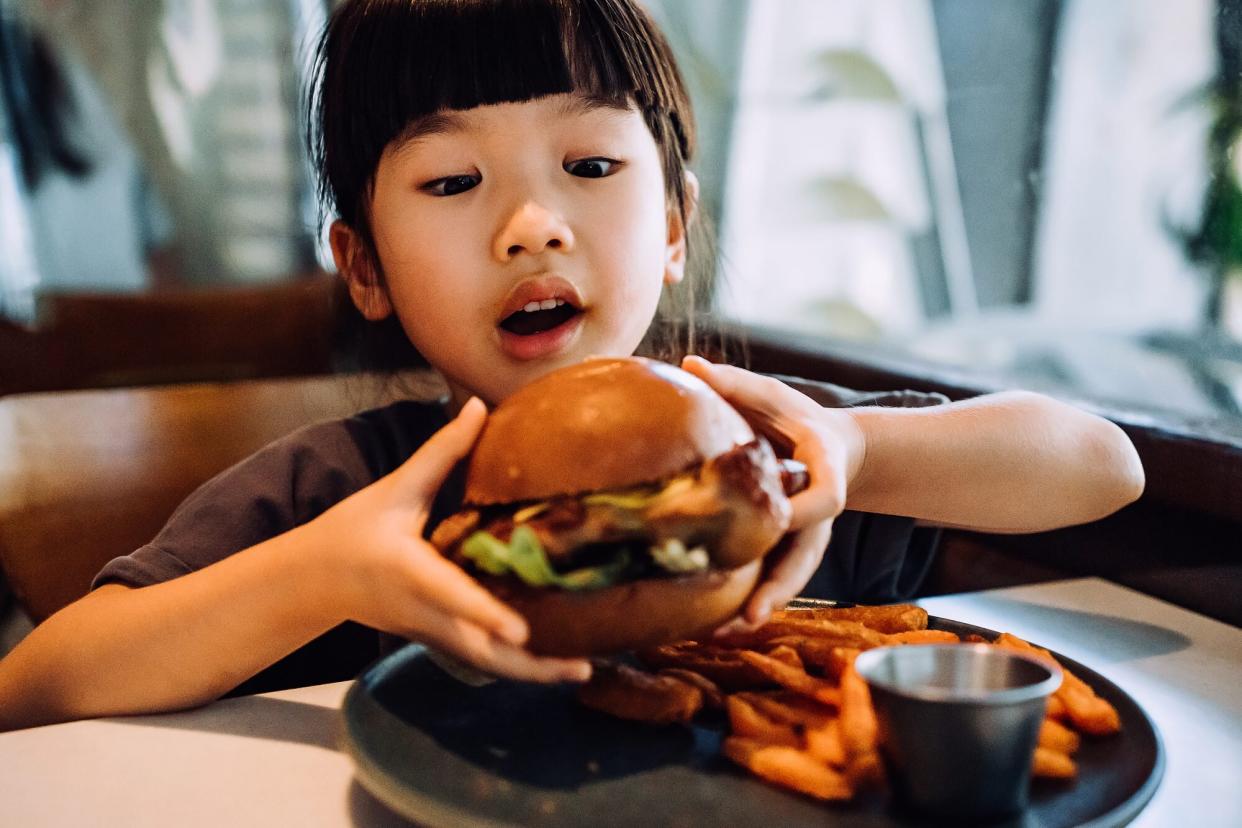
(441, 752)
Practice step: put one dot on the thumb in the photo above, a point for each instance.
(427, 468)
(752, 394)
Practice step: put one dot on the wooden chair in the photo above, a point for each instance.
(89, 475)
(103, 340)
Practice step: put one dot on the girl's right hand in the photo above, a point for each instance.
(385, 575)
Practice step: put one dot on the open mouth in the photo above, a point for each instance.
(539, 317)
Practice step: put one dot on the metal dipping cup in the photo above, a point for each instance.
(958, 724)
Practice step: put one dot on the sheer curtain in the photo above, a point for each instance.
(18, 271)
(1126, 143)
(208, 93)
(838, 136)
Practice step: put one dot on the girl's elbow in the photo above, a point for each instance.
(1137, 477)
(1121, 477)
(1112, 472)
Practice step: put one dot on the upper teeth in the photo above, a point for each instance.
(546, 304)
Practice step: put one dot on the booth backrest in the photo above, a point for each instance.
(89, 475)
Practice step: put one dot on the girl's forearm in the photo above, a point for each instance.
(1009, 462)
(172, 645)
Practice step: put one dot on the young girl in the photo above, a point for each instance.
(511, 184)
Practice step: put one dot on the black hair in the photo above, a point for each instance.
(382, 65)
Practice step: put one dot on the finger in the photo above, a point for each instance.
(763, 398)
(473, 645)
(738, 624)
(779, 408)
(791, 572)
(448, 589)
(427, 468)
(824, 498)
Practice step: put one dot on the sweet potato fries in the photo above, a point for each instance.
(799, 714)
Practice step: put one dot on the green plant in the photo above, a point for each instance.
(1216, 243)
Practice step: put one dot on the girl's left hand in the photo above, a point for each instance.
(831, 445)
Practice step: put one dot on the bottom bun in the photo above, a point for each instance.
(628, 616)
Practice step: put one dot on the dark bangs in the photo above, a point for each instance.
(384, 64)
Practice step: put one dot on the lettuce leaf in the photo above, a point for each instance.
(525, 557)
(528, 560)
(488, 553)
(596, 577)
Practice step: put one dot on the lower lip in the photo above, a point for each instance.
(541, 344)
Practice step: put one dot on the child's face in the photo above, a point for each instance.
(514, 206)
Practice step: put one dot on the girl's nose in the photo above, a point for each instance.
(532, 229)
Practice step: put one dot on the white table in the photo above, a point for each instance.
(272, 759)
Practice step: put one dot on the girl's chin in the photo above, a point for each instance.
(544, 344)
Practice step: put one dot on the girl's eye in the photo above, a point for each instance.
(452, 185)
(592, 167)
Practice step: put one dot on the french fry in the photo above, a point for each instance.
(815, 652)
(825, 655)
(824, 743)
(672, 655)
(818, 733)
(840, 659)
(627, 693)
(889, 618)
(1085, 710)
(788, 767)
(1050, 764)
(842, 633)
(924, 637)
(859, 729)
(1012, 642)
(790, 708)
(1089, 713)
(723, 666)
(748, 722)
(713, 696)
(787, 654)
(1056, 736)
(793, 678)
(864, 769)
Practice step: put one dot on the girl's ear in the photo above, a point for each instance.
(357, 268)
(675, 256)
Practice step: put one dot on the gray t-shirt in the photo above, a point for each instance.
(871, 558)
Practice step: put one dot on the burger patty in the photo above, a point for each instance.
(713, 506)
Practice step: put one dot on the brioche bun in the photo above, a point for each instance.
(597, 425)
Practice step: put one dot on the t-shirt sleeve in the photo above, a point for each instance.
(871, 558)
(838, 396)
(282, 486)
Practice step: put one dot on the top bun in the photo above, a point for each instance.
(606, 423)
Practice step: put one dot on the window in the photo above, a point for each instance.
(1039, 193)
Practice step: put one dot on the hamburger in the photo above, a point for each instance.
(618, 504)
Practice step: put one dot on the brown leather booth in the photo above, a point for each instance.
(89, 475)
(101, 340)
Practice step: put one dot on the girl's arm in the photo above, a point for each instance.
(1010, 462)
(1007, 462)
(187, 641)
(172, 645)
